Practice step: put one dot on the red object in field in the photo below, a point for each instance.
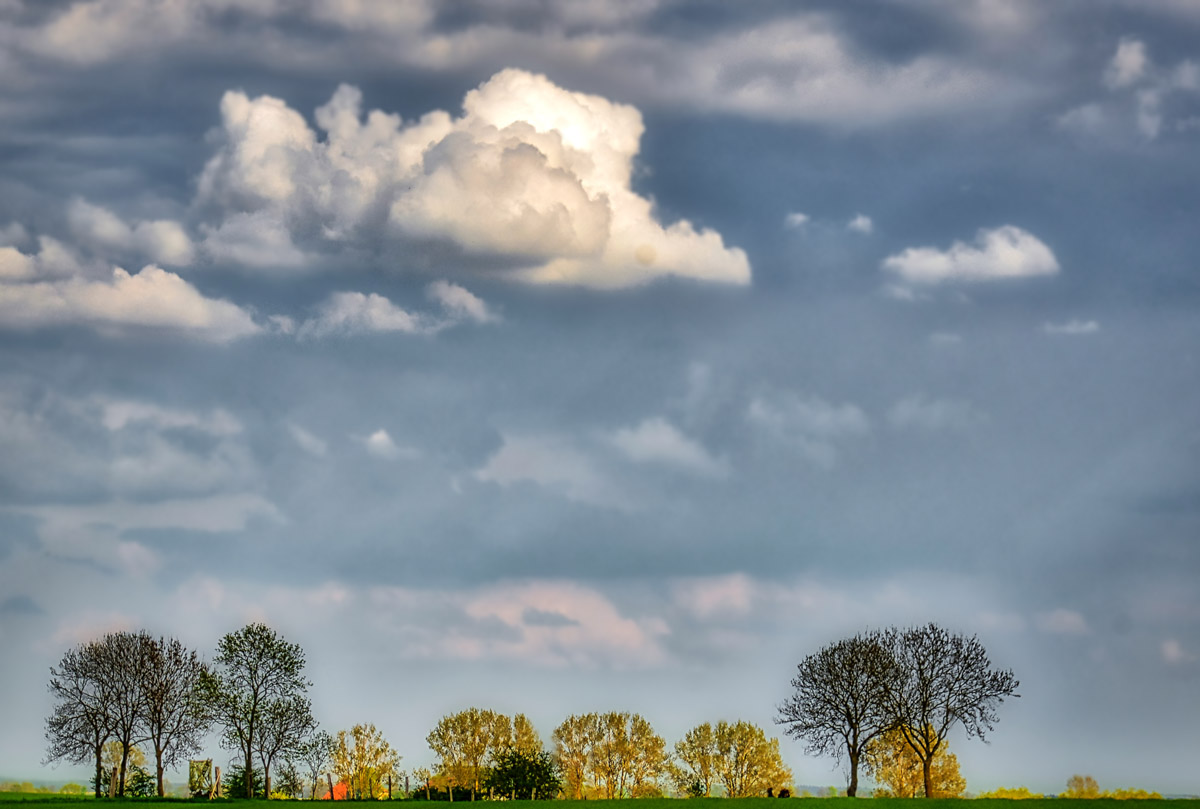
(339, 792)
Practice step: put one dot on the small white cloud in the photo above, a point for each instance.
(657, 441)
(1186, 76)
(933, 415)
(555, 464)
(1086, 119)
(307, 441)
(460, 303)
(1129, 64)
(1062, 622)
(945, 338)
(381, 445)
(809, 423)
(118, 414)
(861, 223)
(795, 219)
(1173, 652)
(1071, 327)
(1001, 253)
(350, 313)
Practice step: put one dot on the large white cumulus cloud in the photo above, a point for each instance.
(531, 175)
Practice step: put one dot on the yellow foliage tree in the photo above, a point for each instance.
(573, 742)
(363, 761)
(1081, 786)
(466, 741)
(748, 763)
(696, 753)
(897, 768)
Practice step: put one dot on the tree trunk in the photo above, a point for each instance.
(159, 768)
(124, 762)
(249, 774)
(927, 767)
(99, 769)
(852, 789)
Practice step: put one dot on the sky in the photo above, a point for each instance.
(566, 357)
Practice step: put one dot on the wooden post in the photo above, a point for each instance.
(112, 784)
(216, 788)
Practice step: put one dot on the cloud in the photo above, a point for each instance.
(353, 313)
(1001, 253)
(153, 298)
(52, 260)
(657, 441)
(1173, 652)
(795, 219)
(381, 445)
(162, 241)
(307, 441)
(541, 623)
(1136, 87)
(533, 175)
(861, 224)
(555, 464)
(934, 415)
(118, 414)
(808, 423)
(1071, 327)
(1129, 64)
(349, 313)
(460, 302)
(1062, 622)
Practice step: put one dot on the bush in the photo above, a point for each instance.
(1011, 794)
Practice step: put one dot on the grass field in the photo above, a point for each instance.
(26, 798)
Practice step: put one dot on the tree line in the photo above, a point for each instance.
(882, 698)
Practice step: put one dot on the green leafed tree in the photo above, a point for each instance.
(173, 711)
(254, 691)
(524, 775)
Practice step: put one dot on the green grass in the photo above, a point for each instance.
(692, 803)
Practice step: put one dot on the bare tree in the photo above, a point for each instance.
(121, 657)
(945, 679)
(173, 705)
(254, 667)
(840, 699)
(80, 725)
